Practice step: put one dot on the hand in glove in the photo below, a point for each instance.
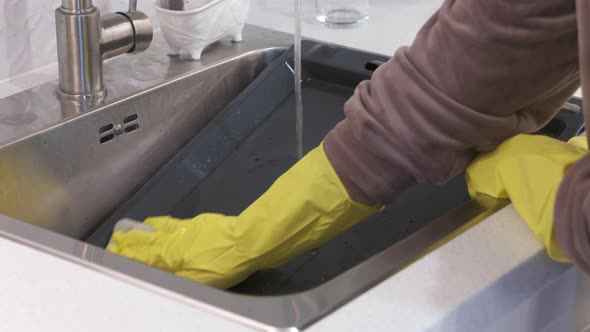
(304, 208)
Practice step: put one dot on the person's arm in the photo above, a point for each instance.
(571, 215)
(478, 72)
(572, 208)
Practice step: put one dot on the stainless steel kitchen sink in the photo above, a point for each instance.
(70, 175)
(66, 168)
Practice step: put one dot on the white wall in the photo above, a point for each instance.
(27, 32)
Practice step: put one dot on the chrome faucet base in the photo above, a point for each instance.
(75, 104)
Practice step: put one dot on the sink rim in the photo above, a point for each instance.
(269, 312)
(121, 100)
(62, 111)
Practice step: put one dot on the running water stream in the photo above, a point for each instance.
(298, 96)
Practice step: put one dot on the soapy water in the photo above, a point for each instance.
(298, 95)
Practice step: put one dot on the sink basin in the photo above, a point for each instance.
(65, 174)
(72, 176)
(242, 151)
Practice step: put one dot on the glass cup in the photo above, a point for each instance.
(341, 13)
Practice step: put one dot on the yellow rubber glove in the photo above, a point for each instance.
(527, 169)
(304, 208)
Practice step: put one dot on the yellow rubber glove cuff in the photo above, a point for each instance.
(304, 208)
(528, 169)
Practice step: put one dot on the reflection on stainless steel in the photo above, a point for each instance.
(84, 40)
(68, 172)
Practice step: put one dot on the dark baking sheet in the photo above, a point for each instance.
(239, 155)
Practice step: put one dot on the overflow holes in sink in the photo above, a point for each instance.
(107, 138)
(106, 133)
(131, 128)
(130, 118)
(130, 123)
(105, 128)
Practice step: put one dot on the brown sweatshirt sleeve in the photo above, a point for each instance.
(572, 208)
(478, 72)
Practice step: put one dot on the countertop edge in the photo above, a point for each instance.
(465, 285)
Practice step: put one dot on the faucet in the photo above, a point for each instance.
(85, 40)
